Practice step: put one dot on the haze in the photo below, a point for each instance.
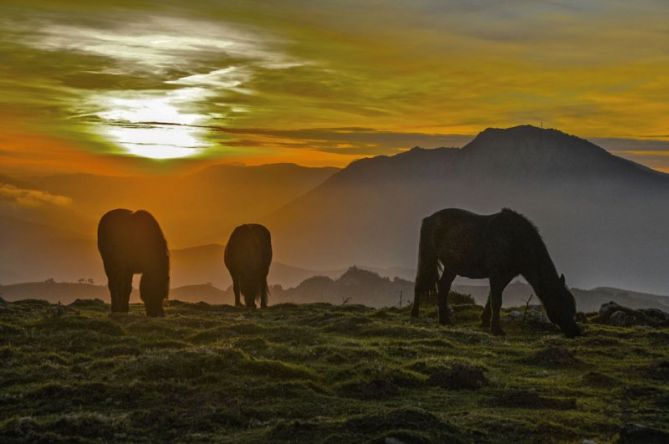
(221, 113)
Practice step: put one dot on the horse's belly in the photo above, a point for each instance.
(465, 263)
(474, 273)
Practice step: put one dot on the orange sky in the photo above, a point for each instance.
(125, 88)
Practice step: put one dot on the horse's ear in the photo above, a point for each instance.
(562, 279)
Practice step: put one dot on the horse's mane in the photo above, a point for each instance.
(537, 249)
(524, 220)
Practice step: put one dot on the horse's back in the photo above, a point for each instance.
(249, 248)
(132, 238)
(461, 240)
(457, 226)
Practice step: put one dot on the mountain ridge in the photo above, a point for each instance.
(586, 201)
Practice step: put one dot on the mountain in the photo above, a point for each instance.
(33, 251)
(605, 219)
(354, 286)
(194, 208)
(48, 224)
(517, 294)
(205, 263)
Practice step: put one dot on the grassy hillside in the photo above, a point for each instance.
(320, 373)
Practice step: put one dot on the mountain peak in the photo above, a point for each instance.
(535, 148)
(523, 133)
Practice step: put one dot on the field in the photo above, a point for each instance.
(321, 373)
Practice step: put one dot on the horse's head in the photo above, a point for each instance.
(154, 289)
(562, 308)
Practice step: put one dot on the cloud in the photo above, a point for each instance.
(32, 198)
(115, 77)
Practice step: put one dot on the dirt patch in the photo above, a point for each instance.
(458, 376)
(554, 356)
(658, 370)
(531, 400)
(641, 434)
(596, 379)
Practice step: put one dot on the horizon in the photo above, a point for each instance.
(615, 146)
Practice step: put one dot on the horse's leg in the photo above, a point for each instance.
(443, 287)
(124, 292)
(497, 285)
(263, 295)
(116, 281)
(416, 304)
(235, 289)
(485, 316)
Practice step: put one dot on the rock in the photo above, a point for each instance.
(612, 313)
(621, 319)
(607, 309)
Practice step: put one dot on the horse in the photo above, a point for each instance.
(132, 242)
(499, 247)
(248, 255)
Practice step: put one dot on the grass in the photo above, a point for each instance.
(318, 373)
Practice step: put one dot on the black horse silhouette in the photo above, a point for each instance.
(132, 243)
(500, 247)
(248, 256)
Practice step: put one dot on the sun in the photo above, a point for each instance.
(155, 125)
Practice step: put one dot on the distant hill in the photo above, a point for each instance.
(518, 293)
(354, 286)
(605, 219)
(205, 264)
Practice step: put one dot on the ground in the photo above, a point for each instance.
(321, 373)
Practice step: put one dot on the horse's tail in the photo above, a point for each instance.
(264, 293)
(428, 262)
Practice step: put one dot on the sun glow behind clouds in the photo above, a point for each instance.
(167, 123)
(154, 126)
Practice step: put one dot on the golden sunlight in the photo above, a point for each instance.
(156, 126)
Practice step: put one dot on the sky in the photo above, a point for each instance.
(127, 87)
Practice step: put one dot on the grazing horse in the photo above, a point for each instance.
(132, 243)
(248, 256)
(500, 247)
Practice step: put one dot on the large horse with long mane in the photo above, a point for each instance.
(248, 255)
(132, 242)
(500, 247)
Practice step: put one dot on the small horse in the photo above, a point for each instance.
(132, 243)
(248, 256)
(500, 247)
